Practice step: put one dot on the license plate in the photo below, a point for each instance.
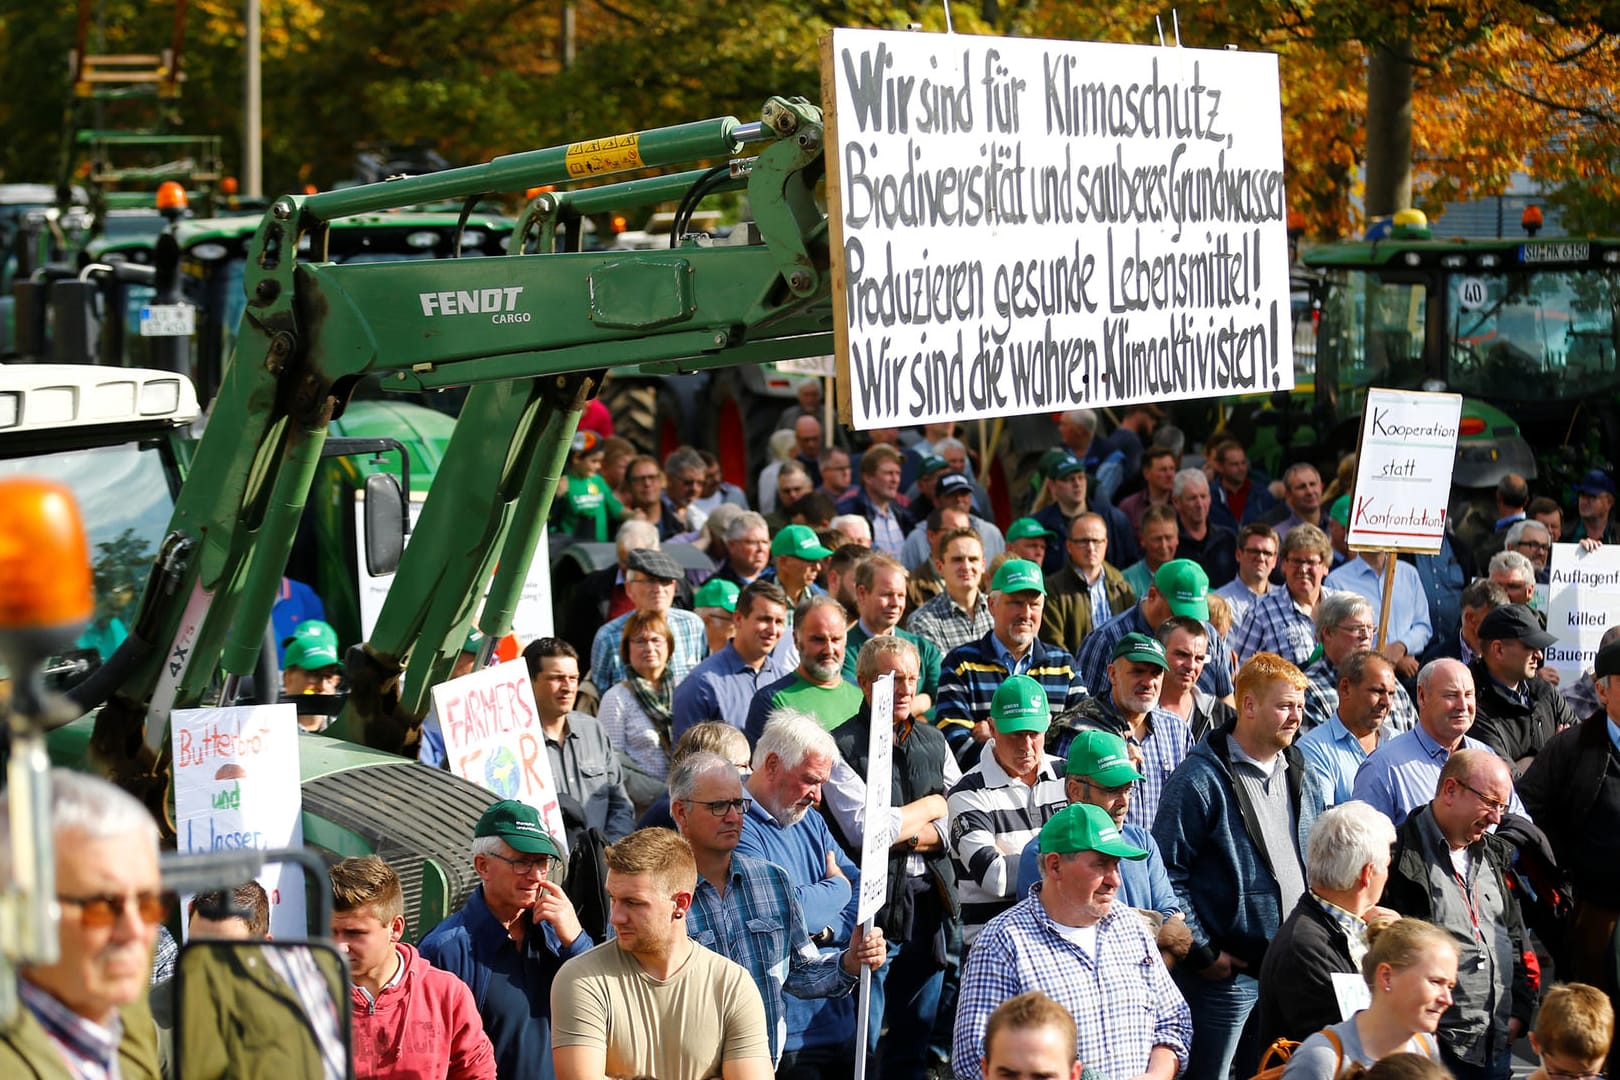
(168, 320)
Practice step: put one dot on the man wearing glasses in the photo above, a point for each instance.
(86, 1014)
(1447, 869)
(652, 579)
(1409, 630)
(1256, 558)
(1534, 541)
(1283, 621)
(1345, 625)
(1087, 591)
(510, 938)
(744, 908)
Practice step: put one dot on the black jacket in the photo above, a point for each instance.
(1296, 985)
(1563, 784)
(1511, 729)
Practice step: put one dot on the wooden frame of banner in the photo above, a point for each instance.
(835, 230)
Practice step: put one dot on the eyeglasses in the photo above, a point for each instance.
(525, 866)
(1108, 792)
(1295, 560)
(646, 478)
(1258, 553)
(657, 583)
(649, 642)
(1490, 804)
(104, 910)
(1088, 541)
(1558, 1074)
(1535, 545)
(1359, 629)
(722, 807)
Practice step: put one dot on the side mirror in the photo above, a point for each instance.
(385, 518)
(282, 1006)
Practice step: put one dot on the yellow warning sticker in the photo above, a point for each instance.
(615, 153)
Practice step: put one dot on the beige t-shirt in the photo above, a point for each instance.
(680, 1028)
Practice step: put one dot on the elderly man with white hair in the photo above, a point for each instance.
(1346, 865)
(1533, 540)
(86, 1014)
(1516, 574)
(1346, 624)
(1212, 546)
(793, 758)
(1408, 628)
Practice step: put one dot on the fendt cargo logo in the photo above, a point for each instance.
(500, 304)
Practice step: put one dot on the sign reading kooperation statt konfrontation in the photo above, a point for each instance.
(1403, 471)
(1027, 226)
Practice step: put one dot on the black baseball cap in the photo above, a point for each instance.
(1514, 622)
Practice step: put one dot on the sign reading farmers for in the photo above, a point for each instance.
(236, 786)
(879, 771)
(1403, 474)
(1583, 601)
(492, 737)
(1026, 226)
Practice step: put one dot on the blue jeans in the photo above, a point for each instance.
(1221, 1011)
(1498, 1066)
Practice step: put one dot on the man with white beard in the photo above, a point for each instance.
(1158, 738)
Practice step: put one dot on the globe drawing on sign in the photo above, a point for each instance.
(501, 773)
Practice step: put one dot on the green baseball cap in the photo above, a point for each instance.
(1185, 586)
(1020, 705)
(1340, 510)
(1026, 527)
(1102, 756)
(1018, 575)
(312, 646)
(931, 463)
(717, 592)
(799, 541)
(1083, 827)
(518, 824)
(1140, 647)
(1064, 465)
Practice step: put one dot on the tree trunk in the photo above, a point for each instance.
(1389, 129)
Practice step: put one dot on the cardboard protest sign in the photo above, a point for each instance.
(1026, 226)
(236, 785)
(1403, 473)
(879, 772)
(492, 737)
(1583, 600)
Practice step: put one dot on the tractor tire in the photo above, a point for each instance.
(647, 412)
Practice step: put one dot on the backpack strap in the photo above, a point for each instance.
(1338, 1050)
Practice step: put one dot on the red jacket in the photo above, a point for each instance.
(424, 1027)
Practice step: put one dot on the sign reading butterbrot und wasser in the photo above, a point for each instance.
(1027, 226)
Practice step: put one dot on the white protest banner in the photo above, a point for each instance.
(1403, 474)
(492, 737)
(236, 785)
(1583, 601)
(879, 767)
(823, 366)
(1025, 226)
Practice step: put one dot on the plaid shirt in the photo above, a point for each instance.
(758, 924)
(89, 1050)
(1123, 998)
(1275, 624)
(942, 621)
(1322, 698)
(691, 646)
(1164, 747)
(1095, 651)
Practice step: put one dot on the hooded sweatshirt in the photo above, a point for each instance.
(423, 1026)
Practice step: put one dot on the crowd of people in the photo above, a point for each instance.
(1162, 795)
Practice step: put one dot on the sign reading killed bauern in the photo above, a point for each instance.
(1403, 473)
(1027, 226)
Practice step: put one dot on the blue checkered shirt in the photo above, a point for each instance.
(942, 621)
(1322, 699)
(1164, 747)
(89, 1050)
(1122, 998)
(759, 925)
(691, 646)
(1275, 624)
